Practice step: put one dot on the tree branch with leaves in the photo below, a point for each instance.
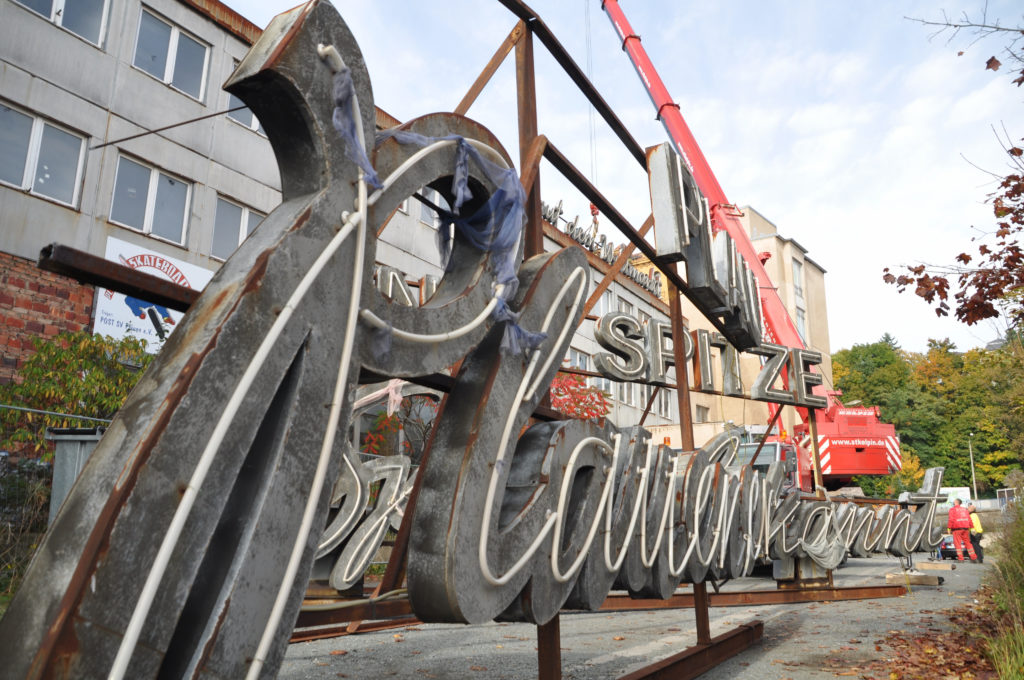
(990, 282)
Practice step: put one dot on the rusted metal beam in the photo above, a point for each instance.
(549, 650)
(526, 97)
(622, 601)
(767, 433)
(616, 267)
(358, 611)
(531, 162)
(492, 67)
(561, 56)
(339, 631)
(702, 657)
(97, 271)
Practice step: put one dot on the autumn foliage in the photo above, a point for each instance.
(990, 282)
(78, 374)
(574, 398)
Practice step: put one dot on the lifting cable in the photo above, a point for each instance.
(166, 127)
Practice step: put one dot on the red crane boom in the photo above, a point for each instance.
(866, 446)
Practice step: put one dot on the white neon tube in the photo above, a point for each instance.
(492, 487)
(556, 538)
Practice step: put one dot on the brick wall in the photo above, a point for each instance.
(36, 304)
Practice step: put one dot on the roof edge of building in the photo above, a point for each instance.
(226, 18)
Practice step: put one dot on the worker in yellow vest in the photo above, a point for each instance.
(976, 532)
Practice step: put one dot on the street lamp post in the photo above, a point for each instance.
(970, 449)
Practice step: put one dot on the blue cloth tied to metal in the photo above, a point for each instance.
(495, 227)
(345, 123)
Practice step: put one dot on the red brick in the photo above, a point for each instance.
(49, 330)
(16, 283)
(84, 319)
(63, 293)
(6, 299)
(74, 327)
(47, 290)
(34, 327)
(23, 302)
(41, 307)
(14, 322)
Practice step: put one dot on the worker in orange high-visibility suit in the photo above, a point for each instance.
(960, 525)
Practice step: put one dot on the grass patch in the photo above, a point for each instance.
(1005, 580)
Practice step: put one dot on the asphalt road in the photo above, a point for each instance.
(801, 641)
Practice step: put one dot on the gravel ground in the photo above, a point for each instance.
(801, 641)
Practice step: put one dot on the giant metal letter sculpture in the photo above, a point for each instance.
(185, 547)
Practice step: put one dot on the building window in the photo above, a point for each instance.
(801, 323)
(702, 415)
(665, 399)
(84, 18)
(798, 280)
(169, 54)
(626, 393)
(38, 156)
(579, 359)
(150, 201)
(232, 225)
(602, 307)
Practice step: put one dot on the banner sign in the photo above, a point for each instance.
(119, 315)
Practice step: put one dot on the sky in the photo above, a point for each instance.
(855, 130)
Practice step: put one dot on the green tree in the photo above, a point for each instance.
(76, 374)
(936, 400)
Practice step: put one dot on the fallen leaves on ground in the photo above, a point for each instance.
(937, 653)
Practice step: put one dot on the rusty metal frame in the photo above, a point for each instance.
(703, 656)
(622, 601)
(97, 271)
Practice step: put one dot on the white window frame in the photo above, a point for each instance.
(801, 328)
(57, 18)
(244, 222)
(701, 414)
(434, 198)
(664, 404)
(626, 393)
(32, 158)
(798, 279)
(172, 55)
(147, 222)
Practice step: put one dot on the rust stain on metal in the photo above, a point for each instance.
(61, 635)
(208, 647)
(301, 219)
(256, 274)
(286, 40)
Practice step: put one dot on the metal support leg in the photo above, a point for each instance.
(549, 650)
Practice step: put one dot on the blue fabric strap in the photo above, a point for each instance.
(345, 124)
